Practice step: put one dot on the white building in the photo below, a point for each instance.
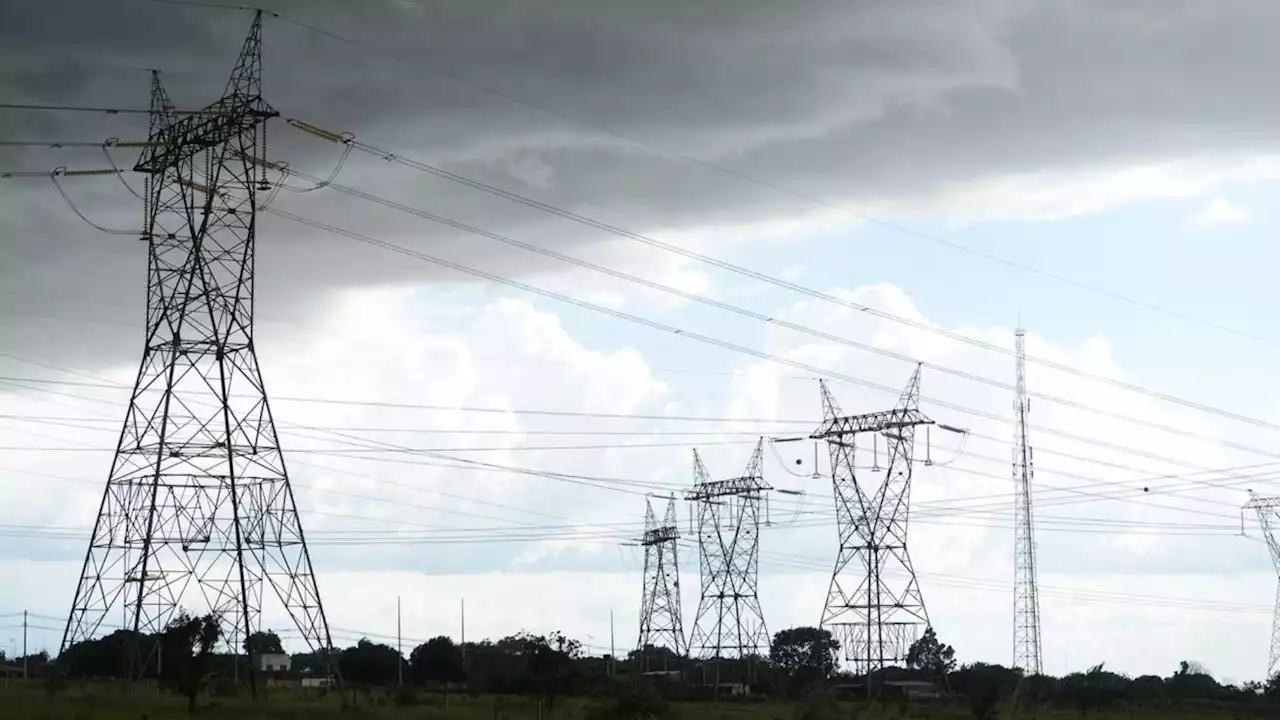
(274, 662)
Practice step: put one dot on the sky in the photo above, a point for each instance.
(913, 180)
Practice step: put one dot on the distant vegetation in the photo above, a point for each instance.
(549, 676)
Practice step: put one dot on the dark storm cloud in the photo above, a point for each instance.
(848, 101)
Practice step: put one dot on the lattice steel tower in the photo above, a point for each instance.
(198, 511)
(1026, 589)
(729, 623)
(874, 607)
(660, 624)
(1268, 509)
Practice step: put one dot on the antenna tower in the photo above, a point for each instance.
(198, 511)
(729, 623)
(660, 624)
(1026, 590)
(874, 607)
(1268, 509)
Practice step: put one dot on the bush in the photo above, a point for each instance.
(630, 703)
(54, 683)
(223, 687)
(406, 696)
(818, 704)
(983, 687)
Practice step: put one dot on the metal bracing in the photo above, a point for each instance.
(729, 622)
(660, 618)
(1268, 509)
(874, 607)
(1026, 589)
(198, 512)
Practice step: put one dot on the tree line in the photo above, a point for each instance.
(801, 662)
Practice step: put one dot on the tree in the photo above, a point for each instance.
(1192, 668)
(1147, 689)
(929, 655)
(806, 655)
(1272, 688)
(438, 660)
(984, 686)
(264, 642)
(654, 657)
(549, 661)
(1192, 680)
(368, 664)
(186, 654)
(309, 662)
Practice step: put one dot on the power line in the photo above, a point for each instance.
(429, 406)
(761, 317)
(400, 249)
(827, 336)
(381, 50)
(984, 437)
(758, 276)
(707, 419)
(470, 449)
(104, 110)
(706, 259)
(1116, 447)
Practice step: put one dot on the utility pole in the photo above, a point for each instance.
(660, 614)
(198, 509)
(613, 658)
(1026, 590)
(1268, 509)
(874, 607)
(729, 622)
(24, 645)
(464, 633)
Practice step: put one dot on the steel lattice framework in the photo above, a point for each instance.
(874, 607)
(660, 619)
(1268, 509)
(198, 511)
(729, 623)
(1026, 589)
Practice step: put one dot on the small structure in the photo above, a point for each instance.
(732, 689)
(274, 662)
(912, 689)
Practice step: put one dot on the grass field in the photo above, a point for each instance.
(30, 701)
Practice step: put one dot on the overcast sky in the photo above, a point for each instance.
(1103, 172)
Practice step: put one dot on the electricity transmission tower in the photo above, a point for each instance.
(729, 623)
(198, 511)
(1268, 509)
(874, 607)
(1026, 590)
(660, 624)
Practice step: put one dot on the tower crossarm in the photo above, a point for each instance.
(722, 488)
(212, 126)
(660, 535)
(871, 422)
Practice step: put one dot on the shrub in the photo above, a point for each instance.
(630, 703)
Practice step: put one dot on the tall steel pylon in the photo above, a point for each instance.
(874, 607)
(729, 623)
(1268, 509)
(1026, 589)
(660, 623)
(198, 511)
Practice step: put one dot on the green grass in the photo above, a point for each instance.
(104, 701)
